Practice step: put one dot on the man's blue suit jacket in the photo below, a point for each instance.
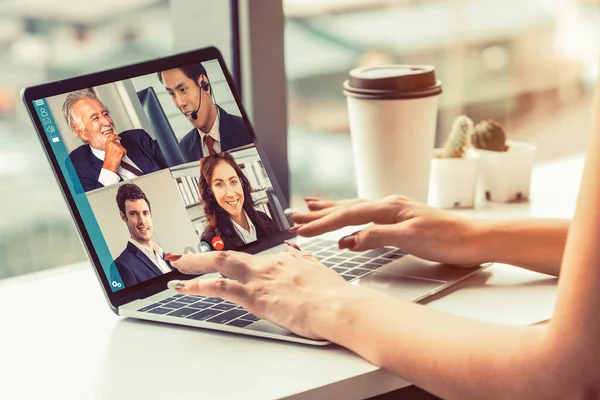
(141, 149)
(233, 132)
(134, 266)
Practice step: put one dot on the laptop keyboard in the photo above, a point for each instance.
(349, 264)
(201, 308)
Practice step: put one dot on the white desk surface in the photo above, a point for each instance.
(59, 340)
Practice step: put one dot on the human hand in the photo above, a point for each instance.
(114, 153)
(416, 228)
(291, 289)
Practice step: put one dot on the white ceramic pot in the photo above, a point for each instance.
(452, 181)
(506, 176)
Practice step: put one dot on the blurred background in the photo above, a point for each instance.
(530, 64)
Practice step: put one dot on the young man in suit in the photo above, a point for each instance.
(107, 158)
(142, 258)
(214, 130)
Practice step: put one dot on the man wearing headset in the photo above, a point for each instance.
(214, 130)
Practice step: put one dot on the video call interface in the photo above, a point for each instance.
(161, 164)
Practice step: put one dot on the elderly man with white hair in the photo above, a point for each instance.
(107, 158)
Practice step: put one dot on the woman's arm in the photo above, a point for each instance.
(535, 244)
(456, 358)
(439, 235)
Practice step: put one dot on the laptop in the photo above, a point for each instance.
(133, 206)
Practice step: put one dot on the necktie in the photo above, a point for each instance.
(210, 142)
(131, 168)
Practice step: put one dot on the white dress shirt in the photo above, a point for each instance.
(155, 254)
(246, 236)
(214, 133)
(107, 177)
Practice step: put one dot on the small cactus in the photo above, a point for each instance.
(457, 141)
(489, 135)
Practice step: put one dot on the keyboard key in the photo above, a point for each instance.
(223, 306)
(174, 305)
(393, 256)
(167, 300)
(249, 317)
(183, 312)
(371, 266)
(349, 265)
(348, 277)
(177, 296)
(188, 299)
(336, 260)
(324, 254)
(240, 323)
(339, 270)
(204, 314)
(150, 307)
(346, 255)
(200, 305)
(359, 272)
(362, 260)
(355, 272)
(380, 261)
(226, 316)
(214, 300)
(160, 310)
(328, 264)
(376, 252)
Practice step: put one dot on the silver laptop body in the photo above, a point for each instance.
(135, 93)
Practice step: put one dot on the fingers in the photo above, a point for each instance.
(291, 245)
(316, 205)
(304, 217)
(324, 207)
(226, 289)
(171, 256)
(374, 236)
(360, 213)
(229, 263)
(113, 137)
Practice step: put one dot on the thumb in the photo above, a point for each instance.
(374, 236)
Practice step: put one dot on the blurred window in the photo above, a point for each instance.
(530, 69)
(47, 40)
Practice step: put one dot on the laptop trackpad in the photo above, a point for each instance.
(402, 287)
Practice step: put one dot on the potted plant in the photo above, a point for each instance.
(453, 176)
(505, 166)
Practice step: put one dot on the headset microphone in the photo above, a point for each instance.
(205, 86)
(194, 114)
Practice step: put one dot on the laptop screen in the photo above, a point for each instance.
(163, 162)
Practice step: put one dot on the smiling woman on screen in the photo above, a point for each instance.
(226, 194)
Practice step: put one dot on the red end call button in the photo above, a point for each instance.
(217, 243)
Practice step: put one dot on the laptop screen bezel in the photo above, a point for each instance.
(30, 94)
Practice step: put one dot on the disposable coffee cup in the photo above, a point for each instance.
(393, 114)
